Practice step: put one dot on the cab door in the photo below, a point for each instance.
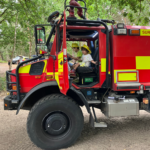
(62, 75)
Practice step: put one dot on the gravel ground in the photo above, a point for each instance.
(121, 134)
(131, 133)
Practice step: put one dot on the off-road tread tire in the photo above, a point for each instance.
(48, 98)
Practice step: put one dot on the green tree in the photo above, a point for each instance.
(32, 12)
(137, 11)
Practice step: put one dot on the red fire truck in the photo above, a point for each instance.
(118, 85)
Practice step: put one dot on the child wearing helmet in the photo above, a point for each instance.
(75, 48)
(86, 58)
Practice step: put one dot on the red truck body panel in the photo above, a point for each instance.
(129, 62)
(130, 58)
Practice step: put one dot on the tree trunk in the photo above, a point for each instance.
(15, 34)
(2, 56)
(7, 55)
(30, 47)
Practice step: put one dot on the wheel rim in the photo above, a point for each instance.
(56, 124)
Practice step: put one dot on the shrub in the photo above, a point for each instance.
(1, 61)
(2, 84)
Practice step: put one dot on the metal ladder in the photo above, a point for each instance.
(93, 121)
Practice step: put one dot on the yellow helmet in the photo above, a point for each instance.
(75, 45)
(87, 48)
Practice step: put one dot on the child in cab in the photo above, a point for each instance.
(75, 48)
(86, 58)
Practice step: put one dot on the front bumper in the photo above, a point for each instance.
(10, 104)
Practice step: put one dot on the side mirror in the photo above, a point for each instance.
(42, 49)
(40, 35)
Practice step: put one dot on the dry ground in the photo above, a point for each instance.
(4, 67)
(121, 134)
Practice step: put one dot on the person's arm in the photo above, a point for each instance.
(91, 60)
(94, 62)
(79, 59)
(75, 58)
(69, 55)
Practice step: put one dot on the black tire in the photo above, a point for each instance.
(51, 110)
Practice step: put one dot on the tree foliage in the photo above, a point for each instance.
(137, 11)
(27, 13)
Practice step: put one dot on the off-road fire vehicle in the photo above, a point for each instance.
(118, 85)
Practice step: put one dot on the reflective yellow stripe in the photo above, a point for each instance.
(60, 55)
(103, 65)
(142, 62)
(57, 80)
(60, 62)
(127, 76)
(25, 69)
(60, 66)
(115, 75)
(45, 65)
(145, 32)
(49, 73)
(60, 69)
(56, 77)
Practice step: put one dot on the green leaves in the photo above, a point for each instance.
(32, 12)
(2, 84)
(29, 13)
(137, 11)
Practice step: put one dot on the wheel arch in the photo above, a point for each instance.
(78, 97)
(38, 92)
(47, 88)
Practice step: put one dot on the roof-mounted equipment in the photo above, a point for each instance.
(53, 16)
(74, 4)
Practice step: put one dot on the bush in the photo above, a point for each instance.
(1, 61)
(2, 84)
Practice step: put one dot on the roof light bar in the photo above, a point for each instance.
(134, 32)
(122, 31)
(120, 25)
